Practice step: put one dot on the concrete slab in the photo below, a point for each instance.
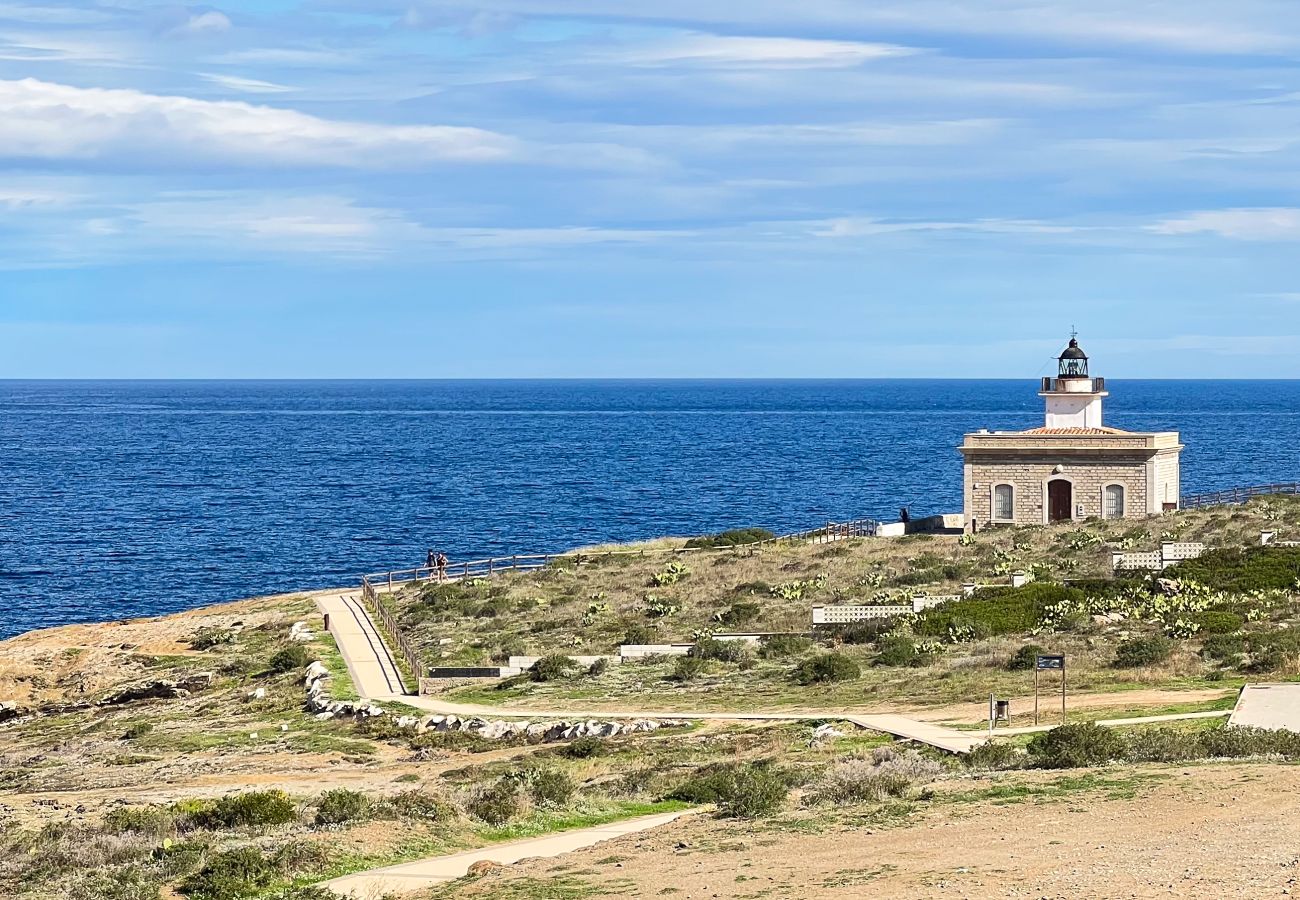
(949, 739)
(416, 876)
(369, 662)
(1268, 706)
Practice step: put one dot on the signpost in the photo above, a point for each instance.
(1049, 663)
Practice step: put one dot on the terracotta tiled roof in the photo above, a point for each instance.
(1096, 431)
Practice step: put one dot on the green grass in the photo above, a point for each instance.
(550, 822)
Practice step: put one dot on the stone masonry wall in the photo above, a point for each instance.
(1088, 475)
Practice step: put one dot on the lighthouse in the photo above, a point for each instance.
(1074, 466)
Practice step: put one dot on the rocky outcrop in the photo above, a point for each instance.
(10, 711)
(320, 705)
(498, 729)
(160, 689)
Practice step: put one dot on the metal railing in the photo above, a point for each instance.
(390, 582)
(1237, 495)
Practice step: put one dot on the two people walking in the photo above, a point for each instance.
(436, 562)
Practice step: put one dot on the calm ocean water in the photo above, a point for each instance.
(132, 498)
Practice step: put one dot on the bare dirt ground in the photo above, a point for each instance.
(1217, 830)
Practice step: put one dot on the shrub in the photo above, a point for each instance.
(497, 803)
(230, 875)
(1073, 746)
(1230, 743)
(868, 632)
(255, 808)
(723, 651)
(741, 613)
(290, 658)
(1241, 571)
(740, 790)
(826, 667)
(207, 638)
(898, 650)
(1025, 658)
(1217, 622)
(583, 748)
(552, 668)
(734, 537)
(340, 806)
(153, 821)
(782, 645)
(688, 668)
(1143, 651)
(994, 756)
(598, 668)
(999, 610)
(137, 730)
(419, 806)
(885, 774)
(550, 787)
(641, 634)
(1163, 745)
(131, 883)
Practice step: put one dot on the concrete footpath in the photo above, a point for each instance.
(371, 665)
(1275, 705)
(410, 877)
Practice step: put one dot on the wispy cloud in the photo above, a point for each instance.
(743, 52)
(245, 85)
(200, 24)
(1265, 224)
(55, 121)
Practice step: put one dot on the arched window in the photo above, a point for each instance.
(1004, 503)
(1114, 501)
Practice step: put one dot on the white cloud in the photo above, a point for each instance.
(201, 24)
(740, 52)
(13, 198)
(1265, 224)
(852, 227)
(245, 85)
(55, 121)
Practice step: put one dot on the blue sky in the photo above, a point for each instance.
(831, 188)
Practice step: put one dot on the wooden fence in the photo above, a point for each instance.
(1237, 495)
(389, 582)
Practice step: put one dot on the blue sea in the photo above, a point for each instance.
(122, 499)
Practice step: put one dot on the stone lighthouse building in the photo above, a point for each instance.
(1074, 466)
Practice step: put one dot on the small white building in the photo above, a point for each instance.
(1073, 467)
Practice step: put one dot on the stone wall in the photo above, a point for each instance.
(1088, 475)
(1168, 486)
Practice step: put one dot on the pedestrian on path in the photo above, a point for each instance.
(442, 566)
(431, 563)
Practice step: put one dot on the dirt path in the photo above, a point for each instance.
(1220, 831)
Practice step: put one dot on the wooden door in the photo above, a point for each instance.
(1060, 499)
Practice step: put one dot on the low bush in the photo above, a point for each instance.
(418, 806)
(740, 614)
(688, 668)
(1075, 746)
(734, 537)
(340, 806)
(637, 633)
(130, 883)
(1241, 571)
(1025, 658)
(1143, 651)
(740, 790)
(898, 650)
(779, 646)
(290, 658)
(207, 638)
(723, 651)
(249, 810)
(999, 610)
(886, 773)
(137, 730)
(1163, 745)
(867, 632)
(550, 787)
(552, 668)
(583, 748)
(598, 668)
(230, 875)
(1213, 621)
(1254, 651)
(826, 667)
(994, 756)
(1235, 743)
(151, 821)
(497, 803)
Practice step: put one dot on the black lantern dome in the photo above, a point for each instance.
(1074, 362)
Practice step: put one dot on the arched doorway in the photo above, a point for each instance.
(1060, 500)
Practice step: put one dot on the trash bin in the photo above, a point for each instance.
(1002, 711)
(327, 621)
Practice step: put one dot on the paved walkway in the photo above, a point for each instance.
(411, 877)
(374, 673)
(1268, 706)
(375, 676)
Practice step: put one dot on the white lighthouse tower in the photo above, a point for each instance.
(1074, 397)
